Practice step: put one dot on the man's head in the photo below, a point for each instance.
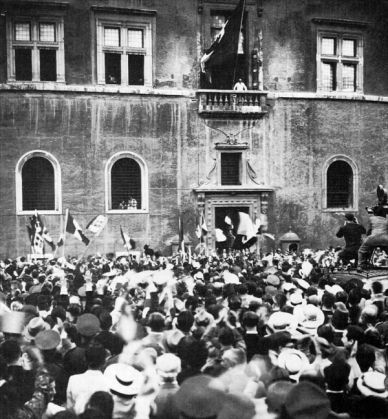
(95, 355)
(350, 217)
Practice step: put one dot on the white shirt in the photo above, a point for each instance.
(81, 387)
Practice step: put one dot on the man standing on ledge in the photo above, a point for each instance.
(352, 232)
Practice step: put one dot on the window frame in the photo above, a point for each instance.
(144, 184)
(339, 59)
(243, 163)
(353, 165)
(137, 22)
(36, 45)
(57, 183)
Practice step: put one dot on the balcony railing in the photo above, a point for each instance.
(232, 102)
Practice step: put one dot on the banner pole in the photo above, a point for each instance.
(239, 33)
(64, 231)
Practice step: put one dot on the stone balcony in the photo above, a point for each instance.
(232, 103)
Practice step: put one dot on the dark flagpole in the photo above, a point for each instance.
(239, 34)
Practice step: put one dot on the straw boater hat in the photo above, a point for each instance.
(123, 380)
(36, 325)
(280, 321)
(372, 383)
(309, 316)
(293, 361)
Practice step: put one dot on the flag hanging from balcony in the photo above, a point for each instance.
(226, 43)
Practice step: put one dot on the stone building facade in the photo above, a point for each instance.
(105, 102)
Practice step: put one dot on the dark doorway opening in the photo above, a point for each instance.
(233, 240)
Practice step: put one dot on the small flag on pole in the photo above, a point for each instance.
(97, 224)
(220, 236)
(127, 241)
(74, 228)
(201, 230)
(246, 227)
(181, 236)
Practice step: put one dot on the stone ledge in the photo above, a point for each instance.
(93, 89)
(328, 96)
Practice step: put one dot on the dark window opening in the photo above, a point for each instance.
(23, 64)
(135, 69)
(231, 169)
(126, 185)
(339, 185)
(48, 64)
(38, 187)
(112, 68)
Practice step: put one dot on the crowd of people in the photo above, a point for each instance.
(211, 336)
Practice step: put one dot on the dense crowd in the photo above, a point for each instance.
(210, 336)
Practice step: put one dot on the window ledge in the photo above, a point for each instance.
(328, 95)
(331, 210)
(93, 89)
(141, 211)
(40, 212)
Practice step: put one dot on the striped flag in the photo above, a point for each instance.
(201, 230)
(39, 234)
(74, 228)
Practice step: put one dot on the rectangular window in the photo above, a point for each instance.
(230, 168)
(349, 47)
(47, 32)
(328, 76)
(328, 46)
(135, 38)
(22, 31)
(36, 49)
(125, 50)
(339, 59)
(349, 77)
(112, 68)
(135, 69)
(48, 64)
(112, 37)
(23, 64)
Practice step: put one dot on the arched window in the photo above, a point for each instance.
(38, 183)
(340, 179)
(126, 183)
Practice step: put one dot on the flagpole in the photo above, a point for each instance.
(239, 34)
(64, 231)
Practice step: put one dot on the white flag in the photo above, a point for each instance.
(97, 224)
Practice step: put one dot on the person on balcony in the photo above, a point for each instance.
(240, 86)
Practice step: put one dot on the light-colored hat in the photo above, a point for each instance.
(198, 275)
(302, 283)
(333, 289)
(372, 384)
(47, 340)
(309, 316)
(273, 279)
(168, 365)
(293, 361)
(13, 322)
(123, 380)
(280, 321)
(35, 325)
(296, 298)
